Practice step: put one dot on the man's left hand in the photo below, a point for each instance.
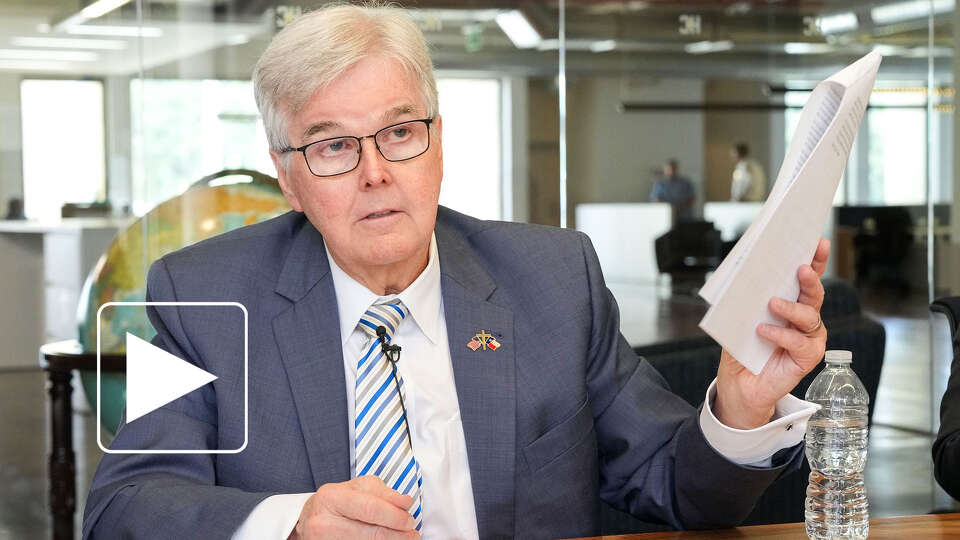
(748, 401)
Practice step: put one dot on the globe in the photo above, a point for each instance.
(120, 274)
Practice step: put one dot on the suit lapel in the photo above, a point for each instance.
(308, 336)
(485, 380)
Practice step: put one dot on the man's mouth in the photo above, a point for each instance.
(380, 214)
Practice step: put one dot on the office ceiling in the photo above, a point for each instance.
(698, 38)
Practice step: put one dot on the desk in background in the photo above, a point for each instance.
(932, 527)
(731, 218)
(623, 235)
(42, 269)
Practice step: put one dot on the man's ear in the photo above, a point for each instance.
(286, 183)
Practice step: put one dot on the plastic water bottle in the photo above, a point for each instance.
(836, 504)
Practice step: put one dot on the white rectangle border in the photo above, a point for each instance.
(246, 379)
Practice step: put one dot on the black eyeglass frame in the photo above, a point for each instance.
(303, 149)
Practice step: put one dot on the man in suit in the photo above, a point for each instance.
(517, 405)
(946, 447)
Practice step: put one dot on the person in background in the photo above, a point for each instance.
(676, 190)
(749, 182)
(946, 447)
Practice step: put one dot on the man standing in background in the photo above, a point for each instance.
(749, 183)
(676, 190)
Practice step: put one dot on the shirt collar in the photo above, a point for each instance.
(422, 297)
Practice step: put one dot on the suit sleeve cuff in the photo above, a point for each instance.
(757, 446)
(274, 517)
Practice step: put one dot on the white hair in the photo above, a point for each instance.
(317, 47)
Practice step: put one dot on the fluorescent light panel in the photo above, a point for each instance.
(101, 7)
(806, 48)
(69, 43)
(838, 22)
(891, 50)
(703, 47)
(30, 65)
(603, 46)
(238, 39)
(516, 26)
(117, 31)
(36, 54)
(905, 11)
(94, 10)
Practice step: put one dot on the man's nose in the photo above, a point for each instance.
(372, 170)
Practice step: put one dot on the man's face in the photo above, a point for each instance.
(382, 212)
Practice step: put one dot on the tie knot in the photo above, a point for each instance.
(386, 314)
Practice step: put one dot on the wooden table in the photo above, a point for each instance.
(59, 360)
(897, 528)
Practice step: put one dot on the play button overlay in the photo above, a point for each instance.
(155, 377)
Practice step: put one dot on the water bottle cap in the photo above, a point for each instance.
(839, 357)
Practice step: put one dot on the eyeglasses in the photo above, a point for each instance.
(339, 155)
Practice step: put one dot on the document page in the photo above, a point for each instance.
(764, 263)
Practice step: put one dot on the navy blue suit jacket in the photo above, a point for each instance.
(563, 415)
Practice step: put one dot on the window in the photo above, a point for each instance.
(184, 130)
(194, 128)
(887, 164)
(897, 142)
(471, 146)
(795, 101)
(63, 145)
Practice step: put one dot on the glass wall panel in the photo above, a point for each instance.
(669, 103)
(140, 114)
(171, 149)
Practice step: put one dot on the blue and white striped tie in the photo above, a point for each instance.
(383, 446)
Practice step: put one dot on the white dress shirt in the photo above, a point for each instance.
(433, 413)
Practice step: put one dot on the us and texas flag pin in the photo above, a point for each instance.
(483, 340)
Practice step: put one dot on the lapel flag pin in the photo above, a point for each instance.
(483, 340)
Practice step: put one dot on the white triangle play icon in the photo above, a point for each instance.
(156, 377)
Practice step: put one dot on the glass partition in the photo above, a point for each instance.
(141, 113)
(668, 102)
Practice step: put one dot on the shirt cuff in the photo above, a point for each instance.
(757, 446)
(274, 517)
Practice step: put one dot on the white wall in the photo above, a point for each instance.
(611, 153)
(763, 131)
(11, 161)
(119, 140)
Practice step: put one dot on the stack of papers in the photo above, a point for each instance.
(764, 263)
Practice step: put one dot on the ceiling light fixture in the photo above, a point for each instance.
(94, 10)
(238, 39)
(101, 8)
(69, 43)
(28, 65)
(603, 46)
(703, 47)
(117, 31)
(516, 26)
(905, 11)
(737, 8)
(36, 54)
(807, 48)
(838, 22)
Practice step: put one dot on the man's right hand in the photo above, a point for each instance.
(361, 508)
